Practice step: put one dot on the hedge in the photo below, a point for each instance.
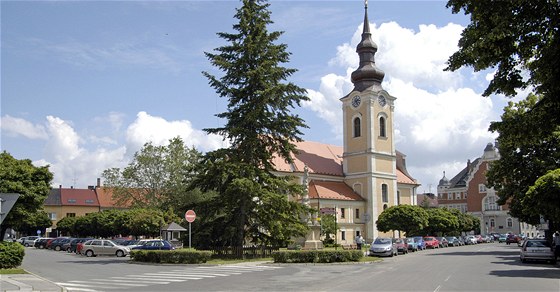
(11, 254)
(317, 256)
(178, 256)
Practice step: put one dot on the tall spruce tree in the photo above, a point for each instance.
(252, 203)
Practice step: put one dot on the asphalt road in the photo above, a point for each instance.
(484, 267)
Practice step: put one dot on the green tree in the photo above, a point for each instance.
(521, 41)
(441, 221)
(145, 222)
(158, 177)
(251, 201)
(328, 227)
(523, 159)
(407, 218)
(66, 225)
(514, 37)
(33, 185)
(544, 196)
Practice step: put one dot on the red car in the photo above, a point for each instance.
(431, 242)
(402, 245)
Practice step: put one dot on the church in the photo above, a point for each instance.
(367, 174)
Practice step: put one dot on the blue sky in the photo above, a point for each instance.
(84, 84)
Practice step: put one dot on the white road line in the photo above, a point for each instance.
(155, 277)
(111, 282)
(153, 281)
(189, 272)
(186, 275)
(80, 289)
(72, 285)
(447, 279)
(437, 289)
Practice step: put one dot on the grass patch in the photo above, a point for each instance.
(12, 271)
(236, 261)
(370, 259)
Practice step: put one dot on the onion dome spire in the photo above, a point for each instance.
(367, 73)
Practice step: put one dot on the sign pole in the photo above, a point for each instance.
(189, 234)
(190, 215)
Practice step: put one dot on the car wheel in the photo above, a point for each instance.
(57, 248)
(89, 253)
(120, 253)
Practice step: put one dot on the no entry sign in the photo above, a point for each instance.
(190, 215)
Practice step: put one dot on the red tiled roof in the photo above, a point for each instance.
(320, 159)
(78, 197)
(326, 159)
(105, 196)
(332, 190)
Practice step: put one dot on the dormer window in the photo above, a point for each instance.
(72, 201)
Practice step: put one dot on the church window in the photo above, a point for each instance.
(357, 127)
(398, 197)
(342, 213)
(384, 193)
(357, 213)
(343, 235)
(384, 207)
(382, 127)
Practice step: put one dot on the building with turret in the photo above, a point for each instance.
(367, 174)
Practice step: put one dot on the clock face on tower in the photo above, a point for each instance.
(356, 101)
(382, 101)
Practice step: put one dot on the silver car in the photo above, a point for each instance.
(97, 247)
(383, 246)
(537, 249)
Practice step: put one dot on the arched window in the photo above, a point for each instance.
(384, 207)
(357, 127)
(490, 204)
(382, 127)
(384, 193)
(492, 223)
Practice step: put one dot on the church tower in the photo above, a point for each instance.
(369, 158)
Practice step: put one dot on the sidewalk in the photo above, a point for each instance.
(27, 282)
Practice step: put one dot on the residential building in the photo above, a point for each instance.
(70, 202)
(467, 192)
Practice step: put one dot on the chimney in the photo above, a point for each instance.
(98, 182)
(60, 187)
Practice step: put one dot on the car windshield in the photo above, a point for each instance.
(382, 241)
(417, 239)
(428, 238)
(538, 243)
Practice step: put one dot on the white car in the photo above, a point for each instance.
(30, 240)
(537, 249)
(97, 247)
(471, 239)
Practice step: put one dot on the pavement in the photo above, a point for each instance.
(27, 282)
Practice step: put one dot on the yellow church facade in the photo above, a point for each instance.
(365, 175)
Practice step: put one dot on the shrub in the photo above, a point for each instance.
(11, 254)
(178, 256)
(317, 256)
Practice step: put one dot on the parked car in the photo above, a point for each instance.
(155, 244)
(412, 246)
(30, 240)
(77, 242)
(383, 246)
(135, 242)
(420, 242)
(431, 242)
(537, 249)
(97, 247)
(41, 242)
(56, 244)
(470, 239)
(479, 238)
(402, 245)
(21, 239)
(512, 238)
(502, 238)
(443, 242)
(453, 241)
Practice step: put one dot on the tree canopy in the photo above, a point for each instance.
(33, 185)
(251, 202)
(157, 176)
(407, 218)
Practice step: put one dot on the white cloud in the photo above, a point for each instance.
(159, 131)
(18, 126)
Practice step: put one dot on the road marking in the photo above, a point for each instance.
(111, 282)
(446, 279)
(437, 289)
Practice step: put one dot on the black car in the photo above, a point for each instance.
(58, 243)
(42, 242)
(74, 244)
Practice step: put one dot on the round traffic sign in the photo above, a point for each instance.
(190, 215)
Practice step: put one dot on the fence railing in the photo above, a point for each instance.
(245, 252)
